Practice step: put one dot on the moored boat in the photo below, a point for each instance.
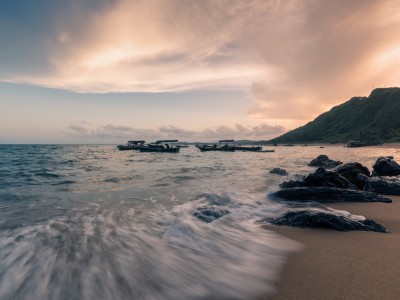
(223, 145)
(131, 145)
(248, 148)
(229, 145)
(168, 146)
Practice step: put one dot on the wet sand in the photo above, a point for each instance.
(345, 265)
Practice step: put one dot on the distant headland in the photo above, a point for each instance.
(372, 119)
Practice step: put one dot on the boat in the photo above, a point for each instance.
(248, 148)
(131, 145)
(168, 146)
(223, 145)
(229, 145)
(214, 147)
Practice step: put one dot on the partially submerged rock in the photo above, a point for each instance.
(279, 171)
(324, 161)
(329, 179)
(354, 172)
(383, 185)
(318, 161)
(386, 166)
(320, 178)
(328, 195)
(314, 219)
(209, 214)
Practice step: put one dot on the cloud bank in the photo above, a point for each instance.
(296, 58)
(114, 133)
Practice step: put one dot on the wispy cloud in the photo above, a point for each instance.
(117, 133)
(297, 58)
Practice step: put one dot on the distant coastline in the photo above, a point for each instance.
(372, 119)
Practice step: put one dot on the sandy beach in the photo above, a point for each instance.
(345, 265)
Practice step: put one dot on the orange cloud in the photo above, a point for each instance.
(333, 50)
(297, 58)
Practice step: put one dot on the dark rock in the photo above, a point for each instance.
(319, 161)
(351, 172)
(356, 144)
(329, 179)
(279, 171)
(324, 161)
(383, 185)
(306, 218)
(360, 180)
(297, 181)
(330, 164)
(209, 214)
(320, 178)
(328, 195)
(386, 166)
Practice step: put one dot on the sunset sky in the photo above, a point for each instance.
(105, 71)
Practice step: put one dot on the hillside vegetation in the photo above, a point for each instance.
(373, 118)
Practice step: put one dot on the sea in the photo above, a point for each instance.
(93, 222)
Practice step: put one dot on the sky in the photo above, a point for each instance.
(107, 71)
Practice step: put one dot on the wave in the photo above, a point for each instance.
(115, 253)
(76, 226)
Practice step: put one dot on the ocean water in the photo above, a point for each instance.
(91, 222)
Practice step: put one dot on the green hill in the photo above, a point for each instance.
(366, 119)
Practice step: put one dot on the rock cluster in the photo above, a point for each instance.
(320, 178)
(386, 166)
(355, 173)
(350, 182)
(324, 161)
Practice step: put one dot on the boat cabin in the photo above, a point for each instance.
(164, 144)
(227, 143)
(136, 143)
(161, 146)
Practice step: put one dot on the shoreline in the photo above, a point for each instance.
(394, 145)
(344, 265)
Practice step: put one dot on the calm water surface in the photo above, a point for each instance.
(91, 222)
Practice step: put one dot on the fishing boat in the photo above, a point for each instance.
(248, 148)
(223, 145)
(168, 146)
(229, 145)
(252, 149)
(131, 145)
